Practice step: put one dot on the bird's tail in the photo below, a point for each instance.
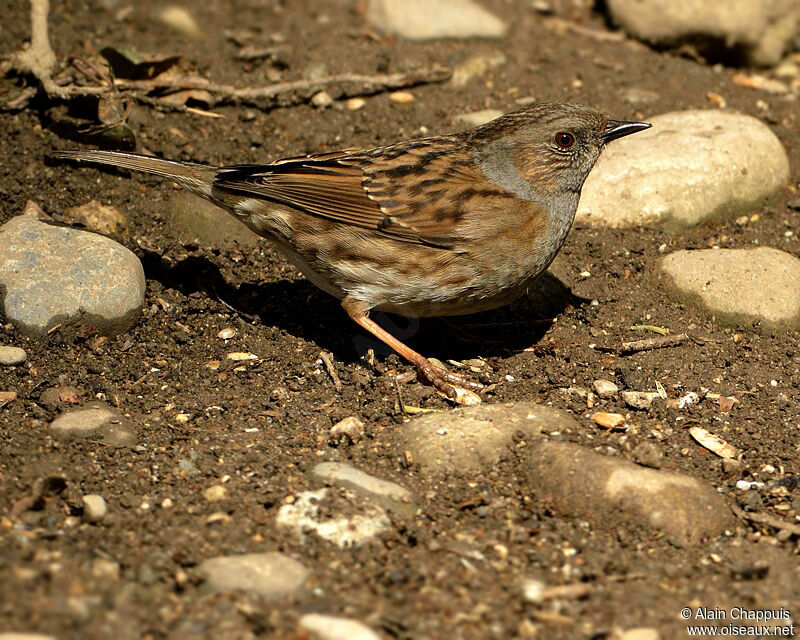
(196, 177)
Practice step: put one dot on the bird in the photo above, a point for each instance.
(435, 226)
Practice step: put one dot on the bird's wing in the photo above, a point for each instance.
(413, 192)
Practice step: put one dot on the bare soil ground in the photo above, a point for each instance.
(264, 427)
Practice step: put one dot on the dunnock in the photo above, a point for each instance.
(436, 226)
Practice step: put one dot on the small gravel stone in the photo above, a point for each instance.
(354, 104)
(12, 356)
(95, 420)
(94, 508)
(334, 628)
(639, 399)
(613, 493)
(350, 428)
(57, 275)
(105, 569)
(533, 590)
(425, 20)
(468, 440)
(389, 495)
(477, 66)
(364, 519)
(605, 388)
(737, 286)
(215, 493)
(227, 333)
(648, 455)
(321, 99)
(19, 635)
(269, 575)
(98, 217)
(736, 163)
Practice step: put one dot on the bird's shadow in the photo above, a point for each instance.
(301, 309)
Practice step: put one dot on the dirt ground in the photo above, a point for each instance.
(264, 427)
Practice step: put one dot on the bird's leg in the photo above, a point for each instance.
(454, 386)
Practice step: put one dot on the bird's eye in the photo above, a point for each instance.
(564, 139)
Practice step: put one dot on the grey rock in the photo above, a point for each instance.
(95, 420)
(94, 508)
(736, 285)
(334, 628)
(690, 166)
(612, 493)
(199, 222)
(761, 31)
(269, 575)
(12, 356)
(639, 399)
(476, 66)
(364, 519)
(53, 274)
(425, 20)
(351, 428)
(389, 495)
(605, 388)
(472, 439)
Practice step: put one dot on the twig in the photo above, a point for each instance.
(767, 519)
(652, 343)
(561, 25)
(328, 362)
(39, 59)
(166, 105)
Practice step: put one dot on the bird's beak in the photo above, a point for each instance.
(619, 128)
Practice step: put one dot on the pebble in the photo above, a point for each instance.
(477, 66)
(57, 275)
(215, 493)
(639, 399)
(605, 388)
(401, 97)
(94, 508)
(268, 575)
(608, 420)
(96, 421)
(105, 569)
(425, 20)
(735, 164)
(321, 99)
(354, 104)
(180, 20)
(199, 222)
(227, 333)
(647, 454)
(466, 441)
(350, 428)
(737, 286)
(760, 30)
(97, 217)
(364, 519)
(533, 590)
(12, 356)
(612, 493)
(477, 118)
(389, 495)
(20, 635)
(334, 628)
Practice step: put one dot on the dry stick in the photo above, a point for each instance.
(652, 343)
(767, 519)
(328, 362)
(39, 59)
